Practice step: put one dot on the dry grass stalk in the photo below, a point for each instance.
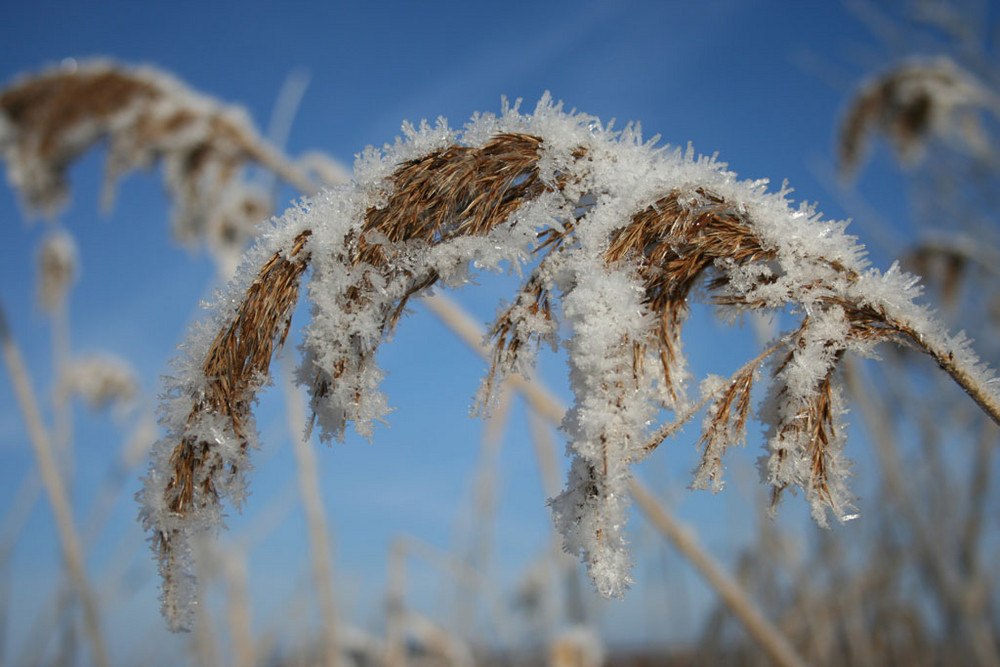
(241, 637)
(58, 267)
(320, 553)
(56, 492)
(770, 639)
(466, 328)
(435, 211)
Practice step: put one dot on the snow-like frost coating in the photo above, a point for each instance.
(597, 181)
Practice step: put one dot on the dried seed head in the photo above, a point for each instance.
(145, 117)
(909, 104)
(237, 364)
(620, 258)
(102, 381)
(58, 265)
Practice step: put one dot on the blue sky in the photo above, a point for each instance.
(761, 83)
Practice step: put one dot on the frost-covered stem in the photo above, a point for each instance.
(52, 480)
(767, 635)
(970, 384)
(312, 505)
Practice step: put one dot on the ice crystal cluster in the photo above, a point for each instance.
(611, 234)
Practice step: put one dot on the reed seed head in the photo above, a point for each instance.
(613, 238)
(58, 266)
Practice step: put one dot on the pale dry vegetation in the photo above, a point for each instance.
(615, 238)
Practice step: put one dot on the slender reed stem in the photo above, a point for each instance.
(63, 440)
(204, 639)
(52, 480)
(465, 327)
(480, 526)
(728, 589)
(240, 634)
(955, 590)
(986, 400)
(767, 635)
(312, 505)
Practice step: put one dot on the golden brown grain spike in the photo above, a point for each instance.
(454, 192)
(459, 191)
(727, 426)
(673, 242)
(238, 358)
(507, 344)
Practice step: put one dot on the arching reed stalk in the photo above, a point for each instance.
(614, 234)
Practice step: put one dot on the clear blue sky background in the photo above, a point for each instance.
(762, 83)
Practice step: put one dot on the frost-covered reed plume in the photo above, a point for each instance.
(612, 234)
(914, 101)
(145, 116)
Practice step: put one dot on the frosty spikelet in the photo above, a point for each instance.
(613, 234)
